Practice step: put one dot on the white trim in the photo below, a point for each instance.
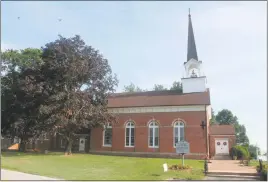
(178, 127)
(62, 143)
(157, 109)
(103, 136)
(153, 127)
(129, 139)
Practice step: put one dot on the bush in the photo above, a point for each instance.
(253, 155)
(241, 152)
(263, 173)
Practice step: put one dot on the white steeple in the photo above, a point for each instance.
(193, 81)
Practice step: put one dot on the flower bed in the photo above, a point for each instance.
(179, 167)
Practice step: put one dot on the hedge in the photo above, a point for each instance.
(241, 152)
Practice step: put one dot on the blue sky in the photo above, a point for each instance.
(145, 43)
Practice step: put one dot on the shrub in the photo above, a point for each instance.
(241, 152)
(263, 173)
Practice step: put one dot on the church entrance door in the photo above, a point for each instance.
(222, 146)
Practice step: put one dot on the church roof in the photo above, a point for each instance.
(221, 130)
(158, 98)
(191, 50)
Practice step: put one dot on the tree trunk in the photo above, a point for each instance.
(68, 149)
(22, 145)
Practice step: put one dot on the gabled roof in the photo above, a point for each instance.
(221, 130)
(158, 98)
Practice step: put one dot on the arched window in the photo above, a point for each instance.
(130, 134)
(178, 132)
(153, 134)
(107, 135)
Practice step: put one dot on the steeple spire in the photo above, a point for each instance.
(191, 51)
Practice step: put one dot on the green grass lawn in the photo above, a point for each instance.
(255, 163)
(98, 167)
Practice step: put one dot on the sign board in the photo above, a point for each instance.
(182, 147)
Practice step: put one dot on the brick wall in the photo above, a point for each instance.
(194, 134)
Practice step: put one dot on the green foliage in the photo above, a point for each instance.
(115, 167)
(158, 87)
(263, 173)
(176, 86)
(22, 95)
(14, 60)
(241, 152)
(213, 118)
(226, 117)
(132, 88)
(42, 90)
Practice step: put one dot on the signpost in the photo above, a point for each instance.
(182, 147)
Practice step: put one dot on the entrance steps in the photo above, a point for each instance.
(221, 157)
(232, 173)
(232, 177)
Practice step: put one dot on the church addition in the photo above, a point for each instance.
(151, 123)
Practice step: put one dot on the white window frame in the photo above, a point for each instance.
(62, 143)
(129, 125)
(109, 126)
(177, 126)
(153, 124)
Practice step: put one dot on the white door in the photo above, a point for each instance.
(222, 146)
(82, 142)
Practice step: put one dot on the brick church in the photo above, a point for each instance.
(151, 123)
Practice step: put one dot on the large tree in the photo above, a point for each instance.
(226, 117)
(69, 65)
(22, 95)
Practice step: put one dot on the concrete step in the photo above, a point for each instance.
(232, 178)
(231, 173)
(222, 157)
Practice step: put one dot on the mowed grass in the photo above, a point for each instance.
(98, 167)
(255, 163)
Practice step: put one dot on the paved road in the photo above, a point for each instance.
(14, 175)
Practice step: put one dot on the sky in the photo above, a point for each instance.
(146, 44)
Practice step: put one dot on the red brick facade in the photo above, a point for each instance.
(194, 134)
